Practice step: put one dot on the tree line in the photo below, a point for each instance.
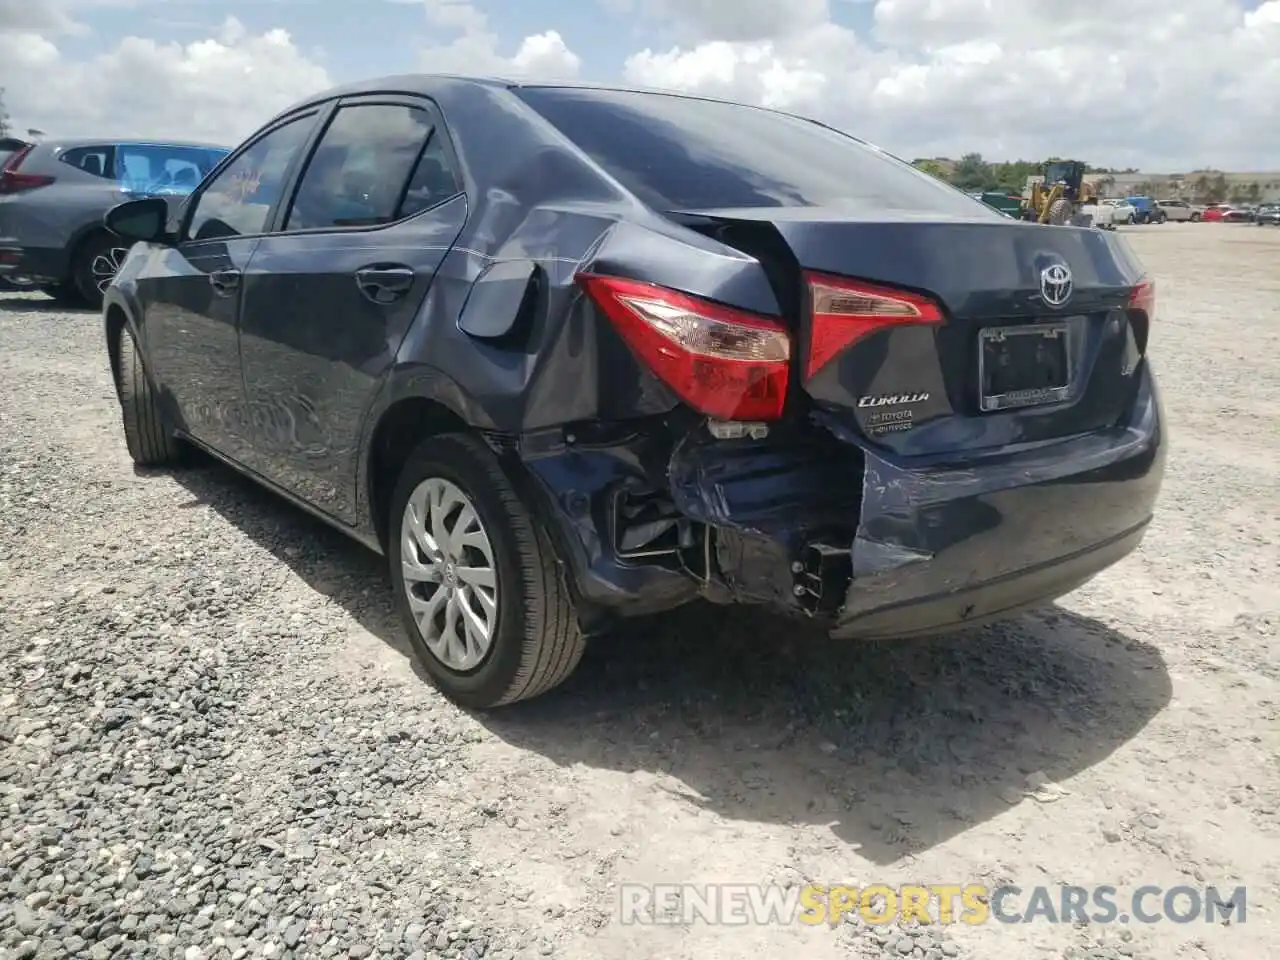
(4, 116)
(972, 173)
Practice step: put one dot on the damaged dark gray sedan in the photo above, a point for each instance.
(566, 354)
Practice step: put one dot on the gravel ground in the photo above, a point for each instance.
(213, 744)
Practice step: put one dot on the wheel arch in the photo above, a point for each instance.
(80, 238)
(434, 405)
(404, 423)
(115, 320)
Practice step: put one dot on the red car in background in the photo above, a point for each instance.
(1225, 213)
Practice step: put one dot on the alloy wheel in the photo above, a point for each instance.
(105, 265)
(449, 574)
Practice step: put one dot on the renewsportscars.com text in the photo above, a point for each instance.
(972, 904)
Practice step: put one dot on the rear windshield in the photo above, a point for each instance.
(681, 153)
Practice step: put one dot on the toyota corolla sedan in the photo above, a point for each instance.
(567, 354)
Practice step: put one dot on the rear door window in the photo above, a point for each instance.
(684, 153)
(375, 164)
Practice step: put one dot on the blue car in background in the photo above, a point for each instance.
(54, 194)
(1147, 210)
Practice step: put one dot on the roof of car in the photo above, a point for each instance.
(69, 143)
(427, 84)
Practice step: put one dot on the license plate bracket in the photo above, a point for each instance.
(1023, 366)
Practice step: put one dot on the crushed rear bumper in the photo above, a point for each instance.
(825, 529)
(944, 548)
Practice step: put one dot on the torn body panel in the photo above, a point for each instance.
(809, 523)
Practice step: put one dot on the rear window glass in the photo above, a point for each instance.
(151, 169)
(681, 153)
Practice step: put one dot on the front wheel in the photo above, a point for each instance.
(1195, 218)
(477, 584)
(150, 441)
(1059, 211)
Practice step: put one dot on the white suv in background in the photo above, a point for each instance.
(1182, 211)
(1122, 211)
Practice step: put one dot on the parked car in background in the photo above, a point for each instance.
(563, 354)
(8, 147)
(1268, 215)
(1225, 213)
(1122, 211)
(54, 194)
(1146, 210)
(1181, 211)
(1094, 214)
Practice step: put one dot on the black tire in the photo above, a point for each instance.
(83, 276)
(1059, 211)
(150, 441)
(1195, 218)
(537, 640)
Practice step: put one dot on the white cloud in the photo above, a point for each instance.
(741, 21)
(1125, 82)
(544, 56)
(25, 15)
(218, 89)
(1139, 82)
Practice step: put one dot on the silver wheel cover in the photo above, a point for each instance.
(450, 576)
(106, 265)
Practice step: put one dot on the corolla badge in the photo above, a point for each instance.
(1055, 284)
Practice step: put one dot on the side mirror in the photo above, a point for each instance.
(144, 220)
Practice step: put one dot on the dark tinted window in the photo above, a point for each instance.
(680, 153)
(361, 168)
(240, 198)
(96, 161)
(433, 179)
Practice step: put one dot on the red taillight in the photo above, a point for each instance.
(725, 363)
(11, 181)
(845, 311)
(1143, 297)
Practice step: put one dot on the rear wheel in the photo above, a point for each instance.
(95, 265)
(477, 583)
(151, 443)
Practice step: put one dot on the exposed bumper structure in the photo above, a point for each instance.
(824, 528)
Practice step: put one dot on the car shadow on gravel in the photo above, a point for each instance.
(896, 747)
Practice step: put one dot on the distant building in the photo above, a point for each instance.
(1169, 186)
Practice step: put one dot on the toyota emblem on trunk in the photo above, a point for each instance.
(1055, 284)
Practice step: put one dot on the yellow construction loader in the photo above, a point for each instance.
(1058, 197)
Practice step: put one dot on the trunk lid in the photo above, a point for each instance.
(1002, 363)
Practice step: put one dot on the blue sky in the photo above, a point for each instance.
(376, 37)
(1133, 82)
